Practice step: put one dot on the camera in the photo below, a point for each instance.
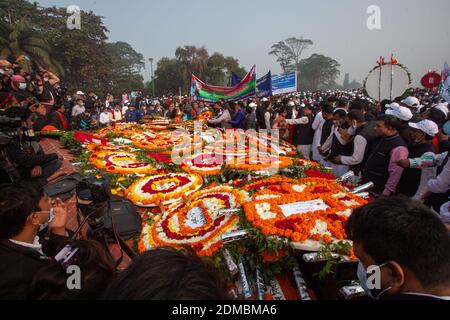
(93, 197)
(94, 203)
(9, 123)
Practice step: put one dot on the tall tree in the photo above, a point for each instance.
(215, 70)
(167, 76)
(281, 51)
(19, 36)
(289, 52)
(126, 67)
(232, 65)
(81, 52)
(318, 72)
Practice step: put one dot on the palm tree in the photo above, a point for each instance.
(19, 38)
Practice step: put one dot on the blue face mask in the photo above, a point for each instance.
(375, 294)
(446, 128)
(50, 219)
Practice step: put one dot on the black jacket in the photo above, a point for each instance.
(55, 120)
(376, 169)
(26, 158)
(19, 264)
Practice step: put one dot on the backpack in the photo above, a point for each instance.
(63, 188)
(126, 219)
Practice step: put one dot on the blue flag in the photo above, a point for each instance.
(264, 86)
(235, 80)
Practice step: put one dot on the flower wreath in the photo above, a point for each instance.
(203, 163)
(197, 224)
(284, 210)
(163, 188)
(120, 162)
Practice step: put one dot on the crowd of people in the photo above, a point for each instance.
(401, 146)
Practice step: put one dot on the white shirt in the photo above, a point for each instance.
(360, 144)
(267, 120)
(77, 110)
(303, 120)
(117, 115)
(105, 117)
(317, 126)
(334, 132)
(36, 245)
(442, 182)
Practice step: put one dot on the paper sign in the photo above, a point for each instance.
(302, 207)
(195, 218)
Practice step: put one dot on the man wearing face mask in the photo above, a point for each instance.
(19, 88)
(25, 213)
(364, 136)
(413, 182)
(337, 143)
(414, 264)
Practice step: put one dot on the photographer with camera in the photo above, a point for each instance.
(25, 213)
(26, 154)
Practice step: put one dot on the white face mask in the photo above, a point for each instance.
(22, 86)
(375, 294)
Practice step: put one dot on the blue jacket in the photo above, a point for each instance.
(133, 115)
(237, 120)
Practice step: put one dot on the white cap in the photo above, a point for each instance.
(427, 126)
(252, 105)
(393, 105)
(411, 102)
(442, 107)
(401, 113)
(80, 93)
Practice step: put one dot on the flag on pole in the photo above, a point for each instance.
(394, 60)
(235, 79)
(245, 89)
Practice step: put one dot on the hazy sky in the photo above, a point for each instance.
(418, 32)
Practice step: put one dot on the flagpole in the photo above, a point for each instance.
(379, 80)
(392, 76)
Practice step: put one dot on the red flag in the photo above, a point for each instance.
(381, 62)
(394, 60)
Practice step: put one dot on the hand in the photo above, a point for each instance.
(58, 225)
(321, 152)
(36, 172)
(338, 160)
(404, 163)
